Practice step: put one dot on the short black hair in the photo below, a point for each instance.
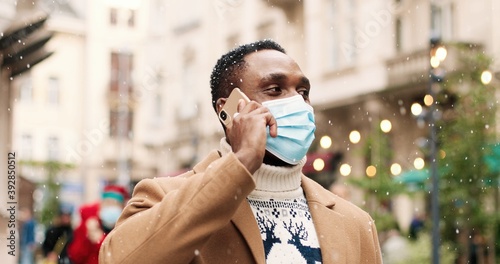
(223, 78)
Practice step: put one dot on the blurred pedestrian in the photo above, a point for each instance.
(477, 248)
(247, 201)
(57, 237)
(416, 225)
(97, 220)
(395, 248)
(27, 236)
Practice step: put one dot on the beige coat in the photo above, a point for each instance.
(202, 216)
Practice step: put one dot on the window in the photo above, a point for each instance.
(121, 72)
(120, 123)
(131, 18)
(113, 16)
(436, 22)
(52, 148)
(157, 16)
(188, 108)
(26, 91)
(121, 113)
(158, 105)
(342, 27)
(442, 18)
(183, 19)
(398, 36)
(26, 147)
(53, 91)
(333, 61)
(350, 37)
(448, 17)
(265, 30)
(334, 29)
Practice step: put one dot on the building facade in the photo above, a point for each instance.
(133, 79)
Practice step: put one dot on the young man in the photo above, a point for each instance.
(247, 202)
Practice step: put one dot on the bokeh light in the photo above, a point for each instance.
(419, 163)
(416, 109)
(345, 169)
(325, 142)
(428, 100)
(318, 164)
(486, 77)
(396, 169)
(441, 53)
(386, 126)
(371, 171)
(355, 136)
(442, 154)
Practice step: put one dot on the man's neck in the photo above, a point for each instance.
(270, 159)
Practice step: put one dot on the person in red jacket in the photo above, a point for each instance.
(97, 220)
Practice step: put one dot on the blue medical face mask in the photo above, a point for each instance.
(109, 215)
(296, 128)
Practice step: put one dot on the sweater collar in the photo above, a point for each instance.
(273, 179)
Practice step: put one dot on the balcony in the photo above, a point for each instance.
(408, 69)
(413, 68)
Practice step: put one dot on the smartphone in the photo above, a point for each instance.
(231, 106)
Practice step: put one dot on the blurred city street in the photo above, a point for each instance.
(405, 96)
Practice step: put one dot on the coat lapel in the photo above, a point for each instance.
(329, 224)
(242, 219)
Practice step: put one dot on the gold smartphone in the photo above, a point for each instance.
(231, 106)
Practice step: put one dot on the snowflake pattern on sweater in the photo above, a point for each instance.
(287, 230)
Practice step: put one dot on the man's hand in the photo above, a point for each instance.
(247, 134)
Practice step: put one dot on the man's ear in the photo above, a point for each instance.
(220, 103)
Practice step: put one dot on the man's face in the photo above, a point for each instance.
(270, 75)
(65, 219)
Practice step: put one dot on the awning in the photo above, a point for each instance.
(413, 176)
(492, 160)
(24, 24)
(22, 43)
